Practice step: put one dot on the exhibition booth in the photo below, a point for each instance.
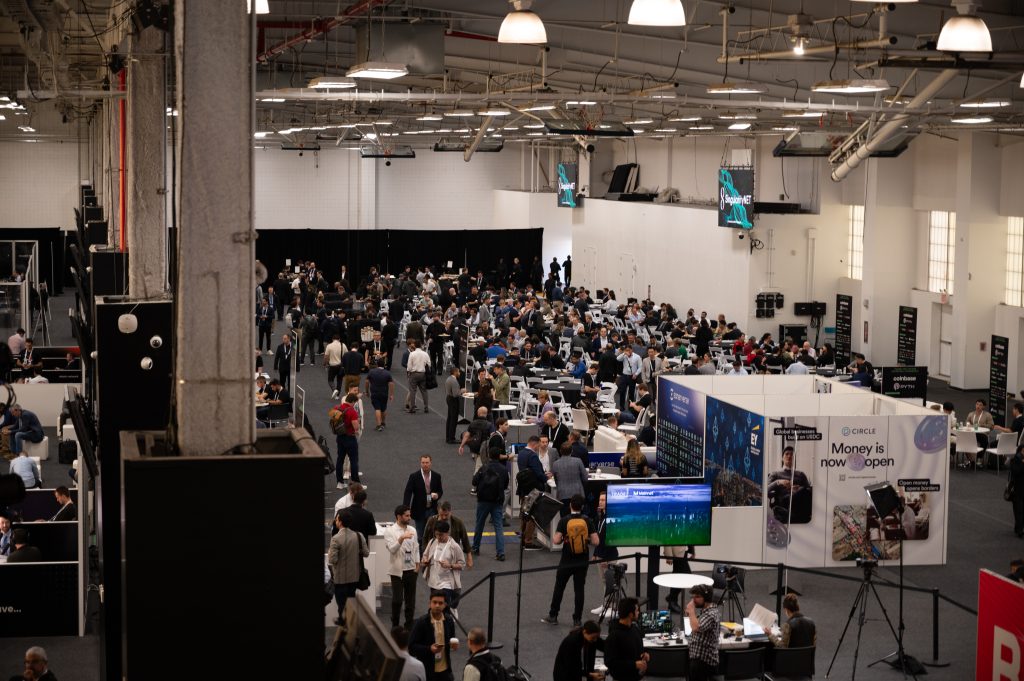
(788, 459)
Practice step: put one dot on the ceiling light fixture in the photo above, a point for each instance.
(702, 127)
(378, 70)
(26, 128)
(260, 135)
(582, 102)
(736, 88)
(662, 96)
(272, 99)
(684, 119)
(540, 107)
(798, 47)
(534, 126)
(639, 121)
(666, 130)
(855, 86)
(430, 117)
(488, 111)
(985, 103)
(803, 114)
(657, 13)
(972, 120)
(965, 32)
(459, 113)
(737, 116)
(522, 26)
(262, 6)
(331, 83)
(740, 126)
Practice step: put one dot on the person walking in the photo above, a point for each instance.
(432, 639)
(453, 395)
(344, 558)
(490, 483)
(417, 367)
(423, 491)
(381, 386)
(345, 426)
(404, 550)
(576, 534)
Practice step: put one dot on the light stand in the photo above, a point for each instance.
(885, 498)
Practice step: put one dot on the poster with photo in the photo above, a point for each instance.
(857, 455)
(796, 519)
(734, 454)
(920, 446)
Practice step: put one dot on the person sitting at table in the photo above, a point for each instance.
(23, 552)
(6, 535)
(798, 631)
(576, 366)
(261, 389)
(863, 372)
(643, 400)
(610, 435)
(980, 418)
(551, 360)
(26, 426)
(826, 356)
(591, 386)
(1017, 424)
(577, 653)
(67, 511)
(544, 400)
(634, 463)
(496, 349)
(35, 376)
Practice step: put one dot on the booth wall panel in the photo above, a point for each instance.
(40, 184)
(738, 385)
(792, 405)
(838, 404)
(737, 534)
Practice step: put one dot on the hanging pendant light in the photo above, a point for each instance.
(522, 26)
(965, 32)
(657, 13)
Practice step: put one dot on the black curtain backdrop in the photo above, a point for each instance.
(51, 252)
(392, 249)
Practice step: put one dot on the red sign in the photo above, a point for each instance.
(1000, 629)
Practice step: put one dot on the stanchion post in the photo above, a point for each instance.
(636, 582)
(935, 625)
(780, 576)
(491, 579)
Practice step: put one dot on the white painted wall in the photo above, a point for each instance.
(40, 184)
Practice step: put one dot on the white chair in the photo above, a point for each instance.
(556, 397)
(967, 444)
(37, 450)
(565, 415)
(1006, 445)
(580, 419)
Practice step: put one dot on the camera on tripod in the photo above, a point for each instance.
(867, 564)
(618, 570)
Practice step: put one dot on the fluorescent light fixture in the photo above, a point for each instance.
(260, 135)
(331, 83)
(803, 114)
(639, 121)
(785, 128)
(3, 118)
(657, 96)
(666, 130)
(378, 70)
(657, 13)
(442, 130)
(377, 151)
(172, 112)
(534, 134)
(972, 120)
(29, 140)
(262, 6)
(702, 127)
(855, 86)
(582, 102)
(272, 99)
(736, 89)
(369, 135)
(26, 128)
(459, 113)
(576, 127)
(534, 126)
(638, 131)
(737, 116)
(964, 33)
(510, 128)
(985, 103)
(540, 107)
(521, 26)
(384, 122)
(740, 126)
(488, 111)
(684, 119)
(430, 117)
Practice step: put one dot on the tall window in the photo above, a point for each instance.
(855, 244)
(941, 249)
(1014, 262)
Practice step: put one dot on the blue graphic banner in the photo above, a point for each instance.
(734, 453)
(680, 442)
(736, 197)
(568, 178)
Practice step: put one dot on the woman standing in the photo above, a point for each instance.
(634, 463)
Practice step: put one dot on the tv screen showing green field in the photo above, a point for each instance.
(658, 515)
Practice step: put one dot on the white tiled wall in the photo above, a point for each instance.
(39, 184)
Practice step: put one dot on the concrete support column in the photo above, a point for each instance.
(147, 126)
(979, 258)
(215, 399)
(890, 239)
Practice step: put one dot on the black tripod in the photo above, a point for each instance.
(515, 670)
(860, 604)
(615, 591)
(734, 609)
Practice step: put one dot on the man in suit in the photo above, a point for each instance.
(264, 323)
(362, 521)
(27, 360)
(388, 336)
(6, 538)
(283, 360)
(26, 427)
(423, 493)
(433, 638)
(36, 666)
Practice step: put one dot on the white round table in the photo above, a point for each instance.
(681, 580)
(972, 429)
(605, 476)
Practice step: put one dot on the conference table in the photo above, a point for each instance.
(570, 391)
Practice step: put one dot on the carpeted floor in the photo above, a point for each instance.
(980, 535)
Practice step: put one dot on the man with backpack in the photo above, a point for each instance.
(345, 425)
(482, 665)
(490, 482)
(576, 533)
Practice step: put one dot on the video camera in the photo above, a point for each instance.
(728, 577)
(618, 569)
(867, 564)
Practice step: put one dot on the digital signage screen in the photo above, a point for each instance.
(658, 515)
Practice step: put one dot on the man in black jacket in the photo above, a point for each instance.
(624, 648)
(430, 648)
(362, 520)
(388, 336)
(490, 483)
(283, 360)
(423, 493)
(577, 652)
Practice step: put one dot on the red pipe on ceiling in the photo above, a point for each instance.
(318, 28)
(470, 36)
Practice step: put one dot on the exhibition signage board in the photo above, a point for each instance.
(680, 441)
(796, 521)
(568, 178)
(736, 197)
(997, 379)
(905, 382)
(734, 454)
(39, 599)
(906, 337)
(1000, 651)
(844, 329)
